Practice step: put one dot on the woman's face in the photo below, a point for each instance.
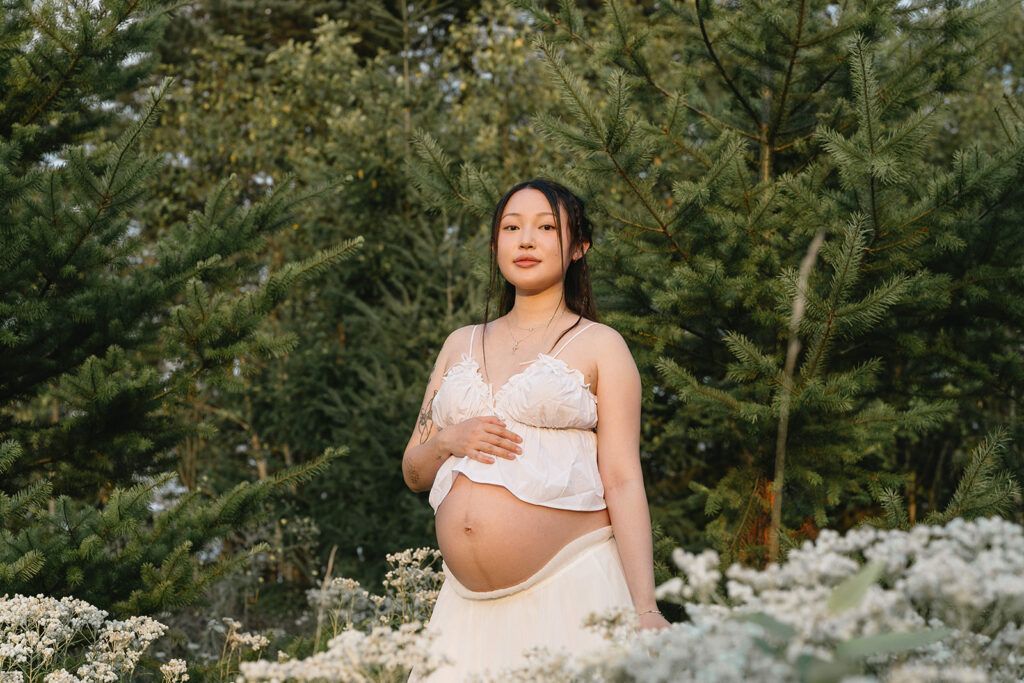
(528, 251)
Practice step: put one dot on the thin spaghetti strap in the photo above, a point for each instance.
(570, 340)
(471, 336)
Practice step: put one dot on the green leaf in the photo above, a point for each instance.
(851, 591)
(771, 625)
(882, 643)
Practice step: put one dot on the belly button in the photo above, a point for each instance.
(467, 530)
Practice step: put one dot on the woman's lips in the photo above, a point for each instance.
(526, 262)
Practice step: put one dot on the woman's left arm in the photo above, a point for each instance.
(618, 460)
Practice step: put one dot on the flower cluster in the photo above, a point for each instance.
(41, 636)
(702, 577)
(614, 625)
(965, 576)
(241, 640)
(412, 584)
(383, 654)
(929, 604)
(947, 604)
(345, 602)
(372, 637)
(237, 644)
(725, 652)
(410, 591)
(175, 671)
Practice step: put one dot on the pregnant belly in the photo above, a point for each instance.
(490, 539)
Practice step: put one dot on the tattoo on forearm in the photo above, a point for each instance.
(426, 420)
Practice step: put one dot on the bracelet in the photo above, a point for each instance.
(650, 611)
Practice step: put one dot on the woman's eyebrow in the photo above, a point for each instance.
(544, 213)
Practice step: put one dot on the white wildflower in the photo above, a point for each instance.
(411, 588)
(41, 636)
(174, 671)
(236, 639)
(353, 655)
(966, 579)
(614, 625)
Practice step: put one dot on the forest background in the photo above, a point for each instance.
(241, 278)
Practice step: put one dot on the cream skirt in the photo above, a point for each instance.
(477, 631)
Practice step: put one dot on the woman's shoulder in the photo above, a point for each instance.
(461, 336)
(605, 342)
(458, 342)
(599, 333)
(455, 344)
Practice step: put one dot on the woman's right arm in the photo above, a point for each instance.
(480, 438)
(425, 452)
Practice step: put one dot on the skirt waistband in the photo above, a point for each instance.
(569, 553)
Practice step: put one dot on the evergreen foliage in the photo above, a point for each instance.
(108, 329)
(727, 147)
(60, 59)
(129, 555)
(321, 110)
(983, 487)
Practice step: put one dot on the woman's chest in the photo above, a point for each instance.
(547, 394)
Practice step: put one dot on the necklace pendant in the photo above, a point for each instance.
(515, 346)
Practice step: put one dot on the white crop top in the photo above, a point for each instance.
(554, 412)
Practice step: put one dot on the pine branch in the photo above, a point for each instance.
(863, 78)
(15, 508)
(10, 451)
(845, 275)
(755, 119)
(438, 163)
(76, 56)
(895, 512)
(872, 307)
(571, 21)
(574, 92)
(982, 488)
(753, 362)
(277, 284)
(778, 118)
(301, 474)
(130, 138)
(22, 569)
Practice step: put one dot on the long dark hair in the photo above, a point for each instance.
(577, 291)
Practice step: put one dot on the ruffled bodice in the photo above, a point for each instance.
(554, 412)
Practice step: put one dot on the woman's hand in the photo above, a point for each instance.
(482, 439)
(652, 620)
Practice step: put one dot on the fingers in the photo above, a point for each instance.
(480, 456)
(487, 437)
(505, 441)
(500, 448)
(504, 432)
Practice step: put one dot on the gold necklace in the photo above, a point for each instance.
(515, 345)
(515, 341)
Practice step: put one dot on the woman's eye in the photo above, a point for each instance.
(508, 227)
(548, 227)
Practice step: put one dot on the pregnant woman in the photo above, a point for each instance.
(528, 442)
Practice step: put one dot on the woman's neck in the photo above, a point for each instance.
(538, 310)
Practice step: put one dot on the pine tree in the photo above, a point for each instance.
(108, 329)
(781, 247)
